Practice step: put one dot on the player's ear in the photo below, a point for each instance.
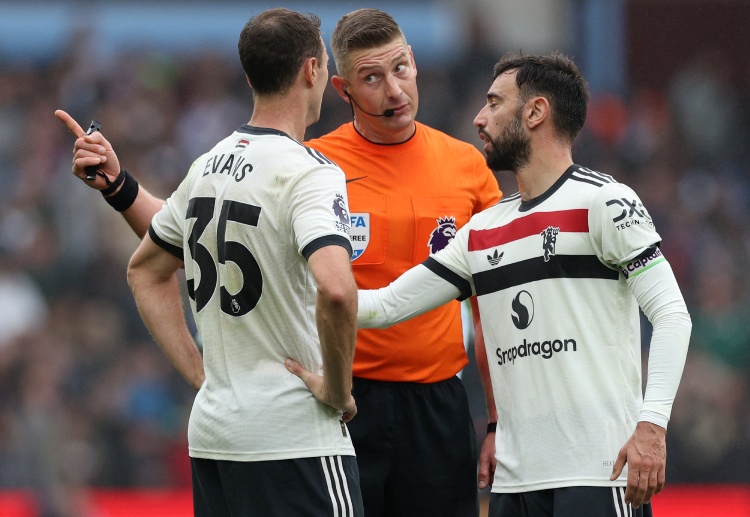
(310, 69)
(340, 85)
(537, 110)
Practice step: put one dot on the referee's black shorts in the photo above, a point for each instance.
(578, 501)
(416, 449)
(305, 487)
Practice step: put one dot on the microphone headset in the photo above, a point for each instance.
(387, 113)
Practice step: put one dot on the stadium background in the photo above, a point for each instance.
(92, 417)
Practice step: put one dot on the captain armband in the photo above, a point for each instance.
(646, 260)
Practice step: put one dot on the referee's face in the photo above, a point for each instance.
(384, 80)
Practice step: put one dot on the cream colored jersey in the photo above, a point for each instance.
(559, 282)
(245, 220)
(563, 339)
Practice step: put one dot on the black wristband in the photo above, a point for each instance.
(111, 187)
(126, 195)
(491, 427)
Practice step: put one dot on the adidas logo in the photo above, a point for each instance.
(495, 259)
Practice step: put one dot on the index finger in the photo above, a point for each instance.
(70, 123)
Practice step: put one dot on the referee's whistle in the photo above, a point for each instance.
(91, 170)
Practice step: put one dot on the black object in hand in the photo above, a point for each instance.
(91, 170)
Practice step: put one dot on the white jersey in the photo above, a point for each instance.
(246, 218)
(561, 325)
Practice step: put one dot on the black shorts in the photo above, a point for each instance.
(312, 487)
(576, 501)
(416, 449)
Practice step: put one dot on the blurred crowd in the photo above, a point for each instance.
(86, 397)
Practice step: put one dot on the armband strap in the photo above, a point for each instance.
(126, 195)
(491, 427)
(112, 185)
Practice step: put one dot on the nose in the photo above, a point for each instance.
(392, 89)
(480, 120)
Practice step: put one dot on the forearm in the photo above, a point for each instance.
(483, 366)
(415, 292)
(337, 329)
(660, 299)
(666, 361)
(140, 213)
(161, 310)
(142, 209)
(487, 461)
(151, 277)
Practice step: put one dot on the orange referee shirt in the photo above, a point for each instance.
(406, 201)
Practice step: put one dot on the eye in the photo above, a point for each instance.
(370, 79)
(400, 68)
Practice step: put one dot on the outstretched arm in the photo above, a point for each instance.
(415, 292)
(135, 203)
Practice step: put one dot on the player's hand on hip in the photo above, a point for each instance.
(91, 151)
(317, 386)
(646, 455)
(349, 409)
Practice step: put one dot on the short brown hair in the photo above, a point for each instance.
(556, 77)
(273, 45)
(362, 29)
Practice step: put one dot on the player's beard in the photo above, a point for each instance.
(511, 149)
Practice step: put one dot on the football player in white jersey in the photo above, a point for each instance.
(560, 271)
(261, 225)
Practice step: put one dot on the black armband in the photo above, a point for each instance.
(126, 195)
(491, 427)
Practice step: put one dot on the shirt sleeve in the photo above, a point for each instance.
(167, 225)
(620, 227)
(624, 237)
(454, 261)
(659, 296)
(415, 292)
(320, 210)
(441, 278)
